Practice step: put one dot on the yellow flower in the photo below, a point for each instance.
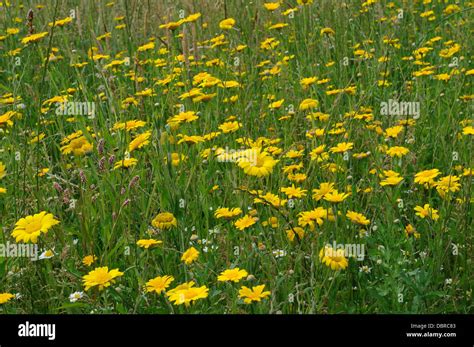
(130, 125)
(410, 230)
(33, 37)
(78, 146)
(293, 192)
(233, 275)
(335, 259)
(3, 171)
(393, 131)
(159, 284)
(319, 154)
(318, 215)
(276, 104)
(357, 218)
(327, 31)
(254, 294)
(146, 47)
(190, 255)
(164, 220)
(469, 130)
(307, 81)
(342, 147)
(398, 151)
(5, 297)
(306, 104)
(426, 211)
(227, 24)
(291, 233)
(324, 188)
(245, 222)
(392, 178)
(271, 6)
(426, 177)
(230, 127)
(257, 163)
(225, 212)
(448, 184)
(60, 22)
(335, 197)
(139, 141)
(186, 293)
(29, 228)
(101, 277)
(147, 243)
(88, 260)
(125, 163)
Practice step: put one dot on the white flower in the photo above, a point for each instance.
(76, 296)
(448, 281)
(279, 253)
(46, 254)
(365, 269)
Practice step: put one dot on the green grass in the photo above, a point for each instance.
(407, 275)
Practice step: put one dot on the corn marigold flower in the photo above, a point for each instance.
(392, 178)
(258, 163)
(164, 220)
(34, 37)
(147, 243)
(230, 127)
(245, 222)
(410, 230)
(190, 255)
(227, 213)
(140, 141)
(232, 275)
(324, 188)
(293, 192)
(257, 293)
(3, 171)
(227, 24)
(159, 284)
(271, 6)
(186, 293)
(357, 218)
(5, 297)
(333, 258)
(30, 228)
(100, 277)
(426, 177)
(129, 125)
(342, 147)
(88, 260)
(307, 104)
(317, 215)
(448, 184)
(78, 147)
(336, 197)
(398, 151)
(60, 22)
(426, 212)
(125, 163)
(291, 233)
